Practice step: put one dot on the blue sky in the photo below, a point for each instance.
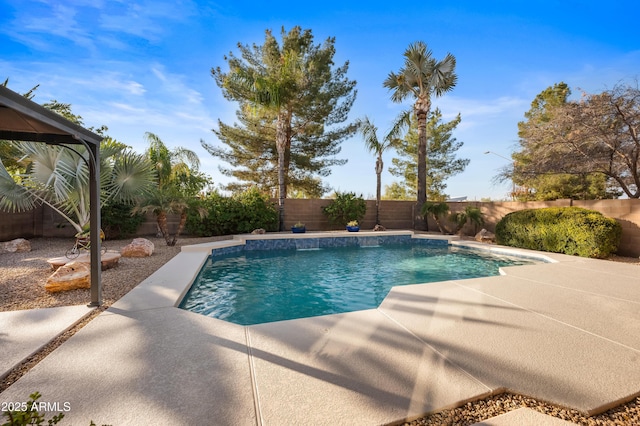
(139, 66)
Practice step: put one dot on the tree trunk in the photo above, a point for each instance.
(421, 110)
(183, 221)
(161, 218)
(379, 166)
(281, 145)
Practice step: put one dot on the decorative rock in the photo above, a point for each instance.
(71, 276)
(485, 236)
(56, 262)
(18, 245)
(139, 247)
(259, 231)
(108, 260)
(379, 228)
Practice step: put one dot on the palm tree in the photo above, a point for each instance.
(174, 169)
(421, 77)
(377, 147)
(163, 201)
(58, 176)
(469, 214)
(437, 210)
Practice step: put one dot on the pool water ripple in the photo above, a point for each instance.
(259, 286)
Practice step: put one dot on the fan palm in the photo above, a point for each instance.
(421, 77)
(58, 176)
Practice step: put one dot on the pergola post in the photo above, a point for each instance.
(94, 218)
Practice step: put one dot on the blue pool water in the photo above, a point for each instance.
(253, 287)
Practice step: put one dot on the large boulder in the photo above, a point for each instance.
(18, 245)
(71, 276)
(139, 247)
(108, 260)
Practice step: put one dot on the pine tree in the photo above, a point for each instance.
(291, 103)
(441, 157)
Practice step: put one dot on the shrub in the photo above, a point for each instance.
(469, 214)
(240, 213)
(118, 220)
(345, 208)
(568, 230)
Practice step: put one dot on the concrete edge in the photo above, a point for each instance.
(39, 348)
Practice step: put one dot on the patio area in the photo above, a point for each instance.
(567, 333)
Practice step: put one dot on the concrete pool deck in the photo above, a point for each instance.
(566, 332)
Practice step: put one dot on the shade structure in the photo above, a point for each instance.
(24, 120)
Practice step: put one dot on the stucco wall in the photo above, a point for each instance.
(44, 222)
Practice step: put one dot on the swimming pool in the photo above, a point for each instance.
(275, 280)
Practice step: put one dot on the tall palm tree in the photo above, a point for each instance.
(421, 77)
(378, 147)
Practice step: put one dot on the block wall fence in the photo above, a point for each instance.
(44, 222)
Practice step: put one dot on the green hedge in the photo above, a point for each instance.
(238, 214)
(344, 208)
(118, 220)
(568, 230)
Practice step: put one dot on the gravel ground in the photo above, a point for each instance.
(22, 278)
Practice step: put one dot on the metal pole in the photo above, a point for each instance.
(94, 220)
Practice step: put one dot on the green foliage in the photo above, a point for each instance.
(595, 135)
(345, 208)
(470, 214)
(568, 230)
(240, 213)
(397, 191)
(119, 220)
(556, 185)
(436, 210)
(421, 77)
(29, 414)
(441, 156)
(290, 93)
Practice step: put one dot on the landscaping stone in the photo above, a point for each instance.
(108, 260)
(71, 276)
(139, 247)
(485, 236)
(258, 231)
(18, 245)
(379, 228)
(57, 262)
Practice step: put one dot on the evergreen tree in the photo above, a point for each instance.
(441, 157)
(291, 102)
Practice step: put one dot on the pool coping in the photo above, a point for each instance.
(538, 330)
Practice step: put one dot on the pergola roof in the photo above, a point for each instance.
(24, 120)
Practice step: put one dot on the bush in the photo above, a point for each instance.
(118, 221)
(240, 213)
(345, 208)
(568, 230)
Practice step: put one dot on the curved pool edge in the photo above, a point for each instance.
(169, 284)
(466, 341)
